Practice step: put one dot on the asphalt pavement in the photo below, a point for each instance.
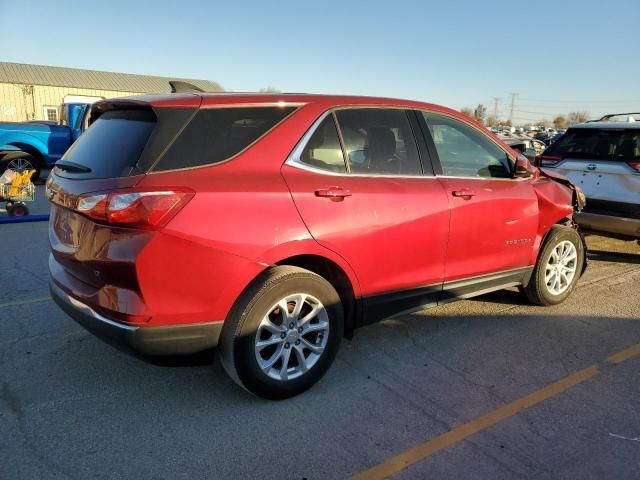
(73, 407)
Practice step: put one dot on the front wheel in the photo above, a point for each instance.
(283, 333)
(558, 268)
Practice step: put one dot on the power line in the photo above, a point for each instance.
(579, 102)
(537, 113)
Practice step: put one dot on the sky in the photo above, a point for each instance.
(558, 56)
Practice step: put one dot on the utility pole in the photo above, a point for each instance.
(495, 107)
(513, 103)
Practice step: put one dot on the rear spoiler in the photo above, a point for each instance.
(178, 86)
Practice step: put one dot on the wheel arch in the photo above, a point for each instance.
(541, 239)
(336, 276)
(31, 149)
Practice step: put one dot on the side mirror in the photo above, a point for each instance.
(523, 168)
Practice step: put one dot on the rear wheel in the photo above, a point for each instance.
(17, 209)
(558, 268)
(283, 333)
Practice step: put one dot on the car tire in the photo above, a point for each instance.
(17, 209)
(559, 266)
(20, 160)
(256, 341)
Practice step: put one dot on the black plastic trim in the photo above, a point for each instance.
(384, 305)
(161, 340)
(470, 287)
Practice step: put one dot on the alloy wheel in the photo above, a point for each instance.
(292, 337)
(561, 267)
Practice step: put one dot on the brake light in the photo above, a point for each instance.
(635, 165)
(146, 209)
(546, 160)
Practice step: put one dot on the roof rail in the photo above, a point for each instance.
(630, 117)
(178, 86)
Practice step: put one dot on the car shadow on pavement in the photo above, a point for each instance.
(504, 297)
(616, 257)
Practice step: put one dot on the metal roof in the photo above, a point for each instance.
(92, 79)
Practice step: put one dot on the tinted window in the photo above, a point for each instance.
(113, 144)
(217, 134)
(323, 149)
(591, 143)
(379, 141)
(464, 151)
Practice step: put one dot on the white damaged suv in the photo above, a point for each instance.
(603, 158)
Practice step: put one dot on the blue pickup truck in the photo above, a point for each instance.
(39, 144)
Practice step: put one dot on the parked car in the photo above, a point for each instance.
(269, 224)
(603, 158)
(529, 147)
(37, 144)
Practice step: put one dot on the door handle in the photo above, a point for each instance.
(334, 193)
(464, 193)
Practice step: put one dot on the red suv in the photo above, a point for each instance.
(269, 224)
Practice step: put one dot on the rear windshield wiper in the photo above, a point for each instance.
(72, 166)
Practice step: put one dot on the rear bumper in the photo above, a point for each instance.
(629, 227)
(163, 340)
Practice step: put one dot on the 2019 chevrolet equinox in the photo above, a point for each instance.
(269, 224)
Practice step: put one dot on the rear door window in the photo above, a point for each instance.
(379, 141)
(217, 134)
(598, 144)
(112, 145)
(323, 150)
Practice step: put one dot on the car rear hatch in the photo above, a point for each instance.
(604, 163)
(99, 220)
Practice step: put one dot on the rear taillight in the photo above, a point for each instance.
(635, 165)
(147, 209)
(546, 160)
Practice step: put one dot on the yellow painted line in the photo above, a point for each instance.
(420, 452)
(25, 302)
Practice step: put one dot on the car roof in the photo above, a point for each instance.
(607, 125)
(250, 98)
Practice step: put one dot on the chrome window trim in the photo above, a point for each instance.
(481, 132)
(293, 160)
(486, 178)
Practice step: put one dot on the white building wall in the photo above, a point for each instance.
(19, 103)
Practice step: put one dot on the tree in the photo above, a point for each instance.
(479, 113)
(577, 117)
(269, 90)
(467, 111)
(491, 121)
(544, 123)
(560, 121)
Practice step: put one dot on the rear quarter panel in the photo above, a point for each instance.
(241, 220)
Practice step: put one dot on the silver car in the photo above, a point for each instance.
(603, 158)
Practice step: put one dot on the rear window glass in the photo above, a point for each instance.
(112, 145)
(217, 134)
(592, 143)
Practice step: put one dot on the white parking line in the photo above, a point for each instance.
(25, 302)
